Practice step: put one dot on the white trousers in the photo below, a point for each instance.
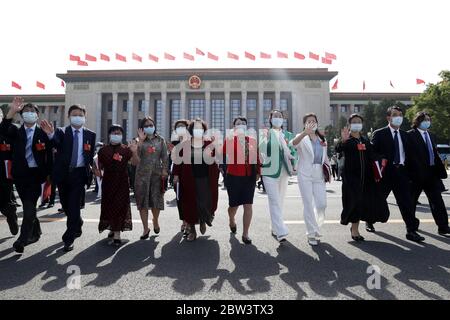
(276, 192)
(314, 196)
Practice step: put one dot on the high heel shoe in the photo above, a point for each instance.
(202, 228)
(157, 230)
(145, 236)
(233, 229)
(356, 238)
(246, 240)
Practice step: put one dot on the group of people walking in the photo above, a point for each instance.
(405, 163)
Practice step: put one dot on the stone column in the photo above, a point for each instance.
(208, 108)
(244, 103)
(130, 106)
(227, 110)
(183, 108)
(114, 107)
(260, 110)
(163, 125)
(147, 104)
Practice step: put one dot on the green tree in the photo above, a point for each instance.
(436, 101)
(369, 116)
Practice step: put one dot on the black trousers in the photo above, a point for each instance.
(334, 171)
(397, 181)
(70, 193)
(29, 192)
(432, 188)
(7, 205)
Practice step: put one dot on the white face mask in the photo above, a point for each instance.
(30, 117)
(115, 138)
(180, 131)
(198, 133)
(240, 128)
(77, 121)
(277, 122)
(356, 127)
(397, 121)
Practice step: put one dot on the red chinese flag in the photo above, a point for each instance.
(16, 85)
(188, 56)
(74, 58)
(313, 56)
(63, 84)
(250, 56)
(331, 56)
(232, 56)
(213, 56)
(326, 61)
(282, 55)
(420, 81)
(335, 85)
(168, 56)
(390, 82)
(298, 55)
(104, 57)
(264, 55)
(82, 63)
(137, 57)
(88, 57)
(199, 52)
(121, 57)
(153, 58)
(40, 85)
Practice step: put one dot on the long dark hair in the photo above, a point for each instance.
(271, 115)
(419, 117)
(143, 121)
(321, 137)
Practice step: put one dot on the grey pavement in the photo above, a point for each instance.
(219, 266)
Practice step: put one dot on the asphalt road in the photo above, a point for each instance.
(219, 266)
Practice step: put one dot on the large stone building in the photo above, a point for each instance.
(216, 95)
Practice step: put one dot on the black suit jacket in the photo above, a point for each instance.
(419, 159)
(383, 144)
(63, 140)
(18, 139)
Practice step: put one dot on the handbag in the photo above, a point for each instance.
(326, 172)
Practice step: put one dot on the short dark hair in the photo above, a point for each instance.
(242, 118)
(77, 107)
(271, 115)
(143, 121)
(418, 118)
(353, 116)
(30, 105)
(181, 121)
(391, 108)
(115, 127)
(192, 123)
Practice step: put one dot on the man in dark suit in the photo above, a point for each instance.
(392, 144)
(7, 205)
(31, 165)
(75, 147)
(427, 170)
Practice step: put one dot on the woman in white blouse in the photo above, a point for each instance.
(312, 155)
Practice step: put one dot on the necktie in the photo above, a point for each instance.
(74, 160)
(28, 147)
(430, 148)
(396, 148)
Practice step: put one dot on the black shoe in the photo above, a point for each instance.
(79, 233)
(13, 226)
(18, 247)
(68, 247)
(117, 242)
(157, 230)
(414, 236)
(110, 235)
(233, 229)
(246, 240)
(50, 205)
(42, 205)
(444, 231)
(370, 227)
(356, 238)
(60, 210)
(145, 236)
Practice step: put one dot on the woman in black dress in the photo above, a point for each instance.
(362, 198)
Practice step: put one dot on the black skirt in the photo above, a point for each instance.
(241, 190)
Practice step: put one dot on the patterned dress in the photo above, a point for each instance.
(115, 208)
(154, 159)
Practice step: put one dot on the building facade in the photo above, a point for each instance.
(215, 95)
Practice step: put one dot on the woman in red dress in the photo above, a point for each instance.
(197, 175)
(115, 206)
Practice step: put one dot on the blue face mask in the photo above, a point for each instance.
(397, 121)
(277, 122)
(115, 138)
(30, 117)
(149, 130)
(425, 125)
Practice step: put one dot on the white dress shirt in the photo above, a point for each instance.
(402, 150)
